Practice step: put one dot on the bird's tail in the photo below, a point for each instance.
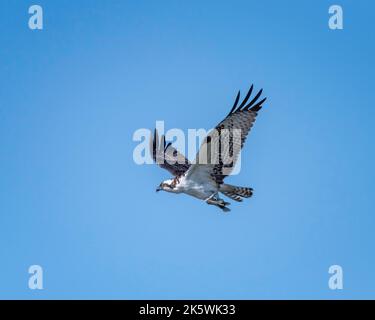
(236, 193)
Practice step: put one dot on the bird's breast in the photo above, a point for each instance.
(197, 189)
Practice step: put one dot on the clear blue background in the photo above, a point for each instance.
(73, 201)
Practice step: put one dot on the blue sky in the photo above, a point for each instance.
(73, 201)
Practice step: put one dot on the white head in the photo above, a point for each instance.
(167, 185)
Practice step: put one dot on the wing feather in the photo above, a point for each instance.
(221, 148)
(167, 157)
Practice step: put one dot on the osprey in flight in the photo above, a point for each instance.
(204, 179)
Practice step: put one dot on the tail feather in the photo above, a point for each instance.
(233, 196)
(236, 193)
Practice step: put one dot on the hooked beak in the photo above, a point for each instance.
(158, 189)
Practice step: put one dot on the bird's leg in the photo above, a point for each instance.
(212, 199)
(212, 196)
(216, 201)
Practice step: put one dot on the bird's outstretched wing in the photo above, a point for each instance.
(221, 148)
(167, 157)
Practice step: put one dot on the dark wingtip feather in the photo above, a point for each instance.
(154, 140)
(258, 106)
(246, 98)
(164, 142)
(235, 102)
(254, 100)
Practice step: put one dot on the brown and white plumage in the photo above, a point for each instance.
(216, 158)
(167, 157)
